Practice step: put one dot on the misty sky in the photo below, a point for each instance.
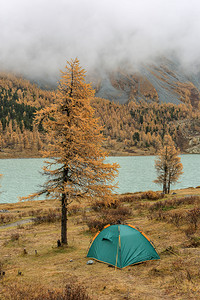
(38, 36)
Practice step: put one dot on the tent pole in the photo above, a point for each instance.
(118, 246)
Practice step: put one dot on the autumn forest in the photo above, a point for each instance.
(133, 128)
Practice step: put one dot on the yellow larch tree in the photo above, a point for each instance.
(76, 166)
(168, 164)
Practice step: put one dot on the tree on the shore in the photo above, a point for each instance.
(76, 167)
(168, 165)
(0, 177)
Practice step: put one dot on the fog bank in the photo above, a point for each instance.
(37, 37)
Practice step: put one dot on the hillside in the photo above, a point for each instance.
(32, 264)
(137, 128)
(163, 81)
(19, 100)
(132, 128)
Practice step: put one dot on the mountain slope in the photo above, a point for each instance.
(164, 81)
(19, 100)
(136, 127)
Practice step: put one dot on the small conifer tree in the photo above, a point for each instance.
(76, 167)
(168, 164)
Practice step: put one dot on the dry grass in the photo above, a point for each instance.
(38, 292)
(108, 216)
(175, 276)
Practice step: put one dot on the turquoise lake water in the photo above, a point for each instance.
(22, 177)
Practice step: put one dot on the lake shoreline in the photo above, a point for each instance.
(7, 155)
(23, 176)
(188, 191)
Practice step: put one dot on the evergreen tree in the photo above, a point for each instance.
(168, 165)
(77, 167)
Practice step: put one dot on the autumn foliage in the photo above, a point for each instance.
(76, 165)
(135, 125)
(168, 164)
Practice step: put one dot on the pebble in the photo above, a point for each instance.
(90, 262)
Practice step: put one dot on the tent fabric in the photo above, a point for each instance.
(121, 246)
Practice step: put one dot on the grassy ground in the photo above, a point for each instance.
(175, 276)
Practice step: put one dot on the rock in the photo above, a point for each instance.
(90, 262)
(4, 211)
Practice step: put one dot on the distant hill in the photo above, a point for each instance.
(142, 107)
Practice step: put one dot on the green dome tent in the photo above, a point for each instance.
(121, 246)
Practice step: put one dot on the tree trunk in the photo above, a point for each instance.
(165, 174)
(165, 180)
(64, 209)
(164, 187)
(168, 186)
(64, 221)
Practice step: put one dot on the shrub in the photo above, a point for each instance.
(15, 237)
(187, 200)
(99, 204)
(5, 218)
(189, 231)
(121, 211)
(173, 203)
(108, 217)
(158, 216)
(131, 198)
(161, 205)
(35, 212)
(50, 217)
(75, 292)
(96, 224)
(193, 216)
(23, 214)
(73, 209)
(150, 195)
(176, 218)
(194, 242)
(30, 292)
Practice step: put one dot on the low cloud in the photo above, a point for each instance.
(38, 36)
